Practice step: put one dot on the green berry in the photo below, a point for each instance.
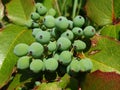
(23, 62)
(85, 64)
(74, 66)
(52, 46)
(41, 10)
(77, 31)
(35, 31)
(36, 65)
(68, 69)
(70, 24)
(43, 37)
(31, 24)
(63, 43)
(79, 45)
(37, 83)
(56, 56)
(38, 5)
(35, 16)
(51, 64)
(35, 25)
(21, 49)
(89, 31)
(49, 21)
(68, 34)
(51, 12)
(65, 57)
(78, 21)
(36, 49)
(61, 23)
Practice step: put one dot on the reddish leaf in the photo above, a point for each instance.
(101, 81)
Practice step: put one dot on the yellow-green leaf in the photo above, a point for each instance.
(9, 37)
(18, 11)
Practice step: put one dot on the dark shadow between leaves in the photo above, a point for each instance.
(61, 70)
(88, 44)
(26, 74)
(5, 1)
(50, 76)
(74, 84)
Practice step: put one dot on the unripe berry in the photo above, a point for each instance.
(51, 64)
(43, 37)
(51, 12)
(78, 21)
(49, 21)
(77, 31)
(63, 43)
(85, 65)
(21, 49)
(68, 34)
(61, 23)
(36, 65)
(23, 62)
(36, 50)
(41, 10)
(52, 46)
(35, 16)
(65, 57)
(79, 45)
(35, 31)
(89, 31)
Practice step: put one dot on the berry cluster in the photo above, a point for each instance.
(57, 41)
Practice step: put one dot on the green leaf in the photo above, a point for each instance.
(99, 11)
(1, 10)
(116, 4)
(65, 80)
(111, 30)
(10, 36)
(101, 81)
(18, 11)
(42, 86)
(7, 36)
(105, 55)
(48, 4)
(103, 12)
(62, 83)
(17, 82)
(48, 86)
(103, 67)
(23, 77)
